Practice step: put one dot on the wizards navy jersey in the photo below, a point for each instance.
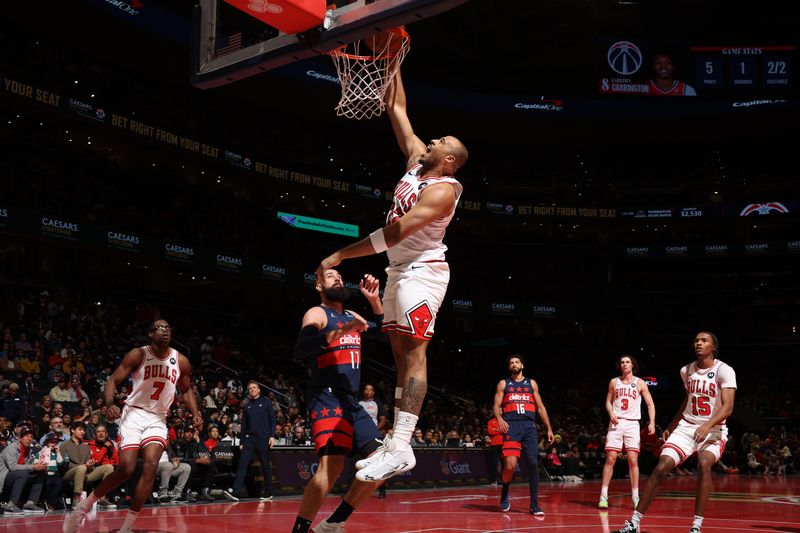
(338, 365)
(518, 402)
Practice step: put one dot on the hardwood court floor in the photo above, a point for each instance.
(739, 503)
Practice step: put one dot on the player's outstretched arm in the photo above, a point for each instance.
(129, 364)
(437, 202)
(411, 145)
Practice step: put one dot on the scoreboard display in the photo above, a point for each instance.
(641, 67)
(743, 66)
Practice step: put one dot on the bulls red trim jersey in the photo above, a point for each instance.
(425, 244)
(155, 382)
(518, 400)
(704, 387)
(627, 402)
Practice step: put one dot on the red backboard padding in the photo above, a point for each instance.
(288, 16)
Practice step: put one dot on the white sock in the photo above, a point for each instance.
(697, 522)
(406, 422)
(636, 518)
(130, 518)
(87, 503)
(398, 395)
(604, 492)
(635, 493)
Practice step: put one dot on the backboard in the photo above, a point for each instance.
(228, 45)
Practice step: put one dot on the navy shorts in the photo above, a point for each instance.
(340, 425)
(521, 434)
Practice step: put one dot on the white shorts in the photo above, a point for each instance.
(623, 436)
(413, 296)
(680, 445)
(138, 428)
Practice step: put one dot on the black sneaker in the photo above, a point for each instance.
(266, 497)
(32, 508)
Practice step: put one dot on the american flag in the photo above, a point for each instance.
(229, 43)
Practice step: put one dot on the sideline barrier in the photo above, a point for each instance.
(292, 467)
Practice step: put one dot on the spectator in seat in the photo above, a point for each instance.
(170, 466)
(20, 466)
(82, 466)
(51, 455)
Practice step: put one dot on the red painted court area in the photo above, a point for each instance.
(739, 503)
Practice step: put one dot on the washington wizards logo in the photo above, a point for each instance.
(172, 360)
(764, 209)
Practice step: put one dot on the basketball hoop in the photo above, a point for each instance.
(364, 78)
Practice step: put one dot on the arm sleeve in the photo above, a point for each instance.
(374, 329)
(310, 341)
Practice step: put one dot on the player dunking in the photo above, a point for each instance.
(157, 372)
(340, 425)
(624, 407)
(424, 203)
(699, 426)
(516, 402)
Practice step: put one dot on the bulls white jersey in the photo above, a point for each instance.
(425, 244)
(155, 382)
(704, 387)
(627, 400)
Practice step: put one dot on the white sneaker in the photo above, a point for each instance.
(628, 528)
(327, 527)
(388, 464)
(387, 445)
(73, 520)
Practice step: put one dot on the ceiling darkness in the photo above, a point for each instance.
(539, 47)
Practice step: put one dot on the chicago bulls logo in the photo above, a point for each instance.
(420, 318)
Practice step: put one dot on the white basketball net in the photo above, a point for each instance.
(364, 78)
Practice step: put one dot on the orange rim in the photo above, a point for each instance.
(400, 32)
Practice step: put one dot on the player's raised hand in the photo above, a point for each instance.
(370, 287)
